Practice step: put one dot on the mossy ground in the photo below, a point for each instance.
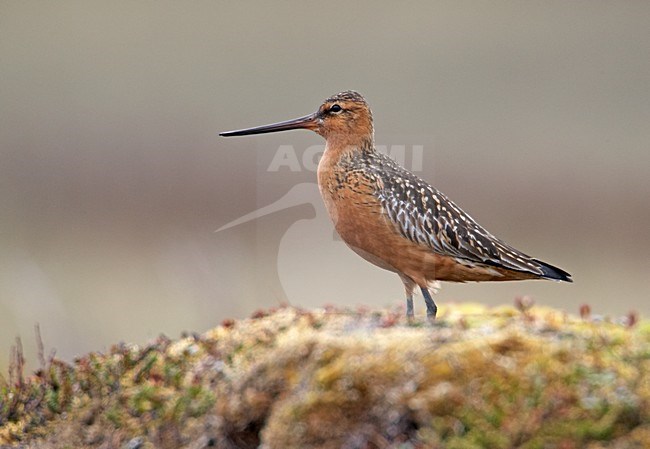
(289, 378)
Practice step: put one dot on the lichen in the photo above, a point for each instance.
(527, 377)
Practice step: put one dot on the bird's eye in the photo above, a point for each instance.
(336, 108)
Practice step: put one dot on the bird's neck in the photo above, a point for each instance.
(336, 159)
(340, 146)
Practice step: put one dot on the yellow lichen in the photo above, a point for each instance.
(528, 377)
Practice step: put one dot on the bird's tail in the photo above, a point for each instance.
(554, 273)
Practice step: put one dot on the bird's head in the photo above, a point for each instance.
(344, 118)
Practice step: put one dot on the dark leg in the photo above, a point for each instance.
(409, 285)
(409, 306)
(432, 309)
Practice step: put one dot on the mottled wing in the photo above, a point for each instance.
(427, 217)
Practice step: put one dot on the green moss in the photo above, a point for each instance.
(476, 378)
(114, 416)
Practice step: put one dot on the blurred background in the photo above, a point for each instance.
(533, 117)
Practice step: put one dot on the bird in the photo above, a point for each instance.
(395, 219)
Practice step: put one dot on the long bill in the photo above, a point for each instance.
(306, 122)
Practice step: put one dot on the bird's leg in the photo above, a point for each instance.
(409, 306)
(409, 286)
(432, 309)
